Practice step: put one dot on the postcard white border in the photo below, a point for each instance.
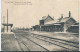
(79, 25)
(0, 25)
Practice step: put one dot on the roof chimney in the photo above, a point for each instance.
(69, 14)
(61, 15)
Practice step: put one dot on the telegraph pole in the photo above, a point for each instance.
(7, 20)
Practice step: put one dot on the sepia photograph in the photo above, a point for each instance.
(39, 25)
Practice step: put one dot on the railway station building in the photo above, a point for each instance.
(48, 23)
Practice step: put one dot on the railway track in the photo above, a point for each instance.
(68, 46)
(20, 41)
(62, 46)
(54, 38)
(37, 44)
(74, 44)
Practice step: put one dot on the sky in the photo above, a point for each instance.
(27, 13)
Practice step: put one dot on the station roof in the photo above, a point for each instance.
(50, 25)
(57, 21)
(56, 24)
(45, 17)
(74, 25)
(65, 19)
(52, 22)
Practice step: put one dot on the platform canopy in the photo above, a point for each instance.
(7, 25)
